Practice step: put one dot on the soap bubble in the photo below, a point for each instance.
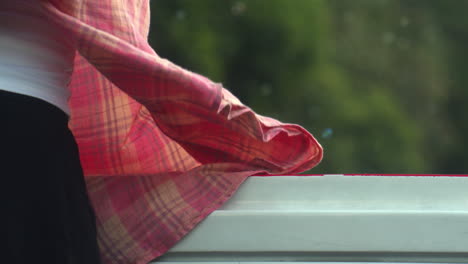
(238, 8)
(388, 38)
(404, 21)
(327, 133)
(180, 14)
(265, 89)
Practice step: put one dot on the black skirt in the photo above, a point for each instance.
(49, 218)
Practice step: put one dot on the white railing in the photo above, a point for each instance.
(333, 218)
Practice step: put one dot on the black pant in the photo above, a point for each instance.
(49, 218)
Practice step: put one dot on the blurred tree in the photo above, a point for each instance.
(369, 78)
(453, 25)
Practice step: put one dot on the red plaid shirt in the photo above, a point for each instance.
(161, 147)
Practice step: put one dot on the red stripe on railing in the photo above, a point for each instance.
(368, 174)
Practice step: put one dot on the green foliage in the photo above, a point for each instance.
(380, 83)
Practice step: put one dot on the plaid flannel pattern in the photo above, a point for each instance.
(161, 147)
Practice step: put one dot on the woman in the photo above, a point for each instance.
(161, 147)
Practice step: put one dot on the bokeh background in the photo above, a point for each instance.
(381, 84)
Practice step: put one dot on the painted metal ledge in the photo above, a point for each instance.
(307, 219)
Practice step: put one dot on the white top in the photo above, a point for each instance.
(36, 58)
